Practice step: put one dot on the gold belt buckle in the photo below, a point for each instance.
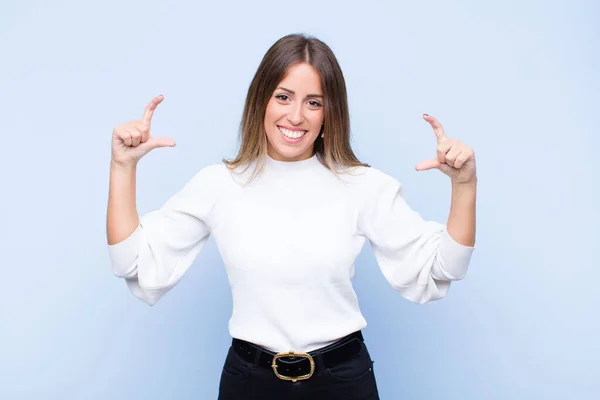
(291, 353)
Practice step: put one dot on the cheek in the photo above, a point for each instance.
(317, 120)
(272, 113)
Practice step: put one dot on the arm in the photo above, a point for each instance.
(418, 258)
(421, 258)
(122, 217)
(456, 160)
(157, 251)
(153, 252)
(461, 221)
(130, 142)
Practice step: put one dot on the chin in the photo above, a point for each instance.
(290, 153)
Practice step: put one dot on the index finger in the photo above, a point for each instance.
(149, 111)
(437, 127)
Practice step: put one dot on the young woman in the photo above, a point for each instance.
(290, 213)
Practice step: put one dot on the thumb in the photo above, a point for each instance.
(154, 143)
(428, 164)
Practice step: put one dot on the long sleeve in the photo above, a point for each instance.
(417, 257)
(154, 258)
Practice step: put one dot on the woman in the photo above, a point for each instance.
(289, 215)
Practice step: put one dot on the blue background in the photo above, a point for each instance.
(516, 80)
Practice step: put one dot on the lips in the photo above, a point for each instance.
(292, 134)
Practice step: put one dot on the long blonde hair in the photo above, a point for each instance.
(334, 150)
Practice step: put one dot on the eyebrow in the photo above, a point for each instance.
(292, 92)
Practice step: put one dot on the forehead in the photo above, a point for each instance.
(302, 78)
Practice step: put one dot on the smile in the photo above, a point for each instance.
(290, 135)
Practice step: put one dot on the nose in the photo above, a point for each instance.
(295, 116)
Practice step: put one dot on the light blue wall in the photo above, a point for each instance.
(516, 80)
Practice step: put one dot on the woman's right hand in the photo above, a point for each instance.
(131, 141)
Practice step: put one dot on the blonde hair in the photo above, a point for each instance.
(334, 150)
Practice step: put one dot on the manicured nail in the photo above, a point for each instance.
(426, 114)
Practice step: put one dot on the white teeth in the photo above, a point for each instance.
(291, 134)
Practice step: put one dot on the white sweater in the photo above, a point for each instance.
(289, 241)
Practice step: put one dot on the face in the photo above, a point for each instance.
(295, 114)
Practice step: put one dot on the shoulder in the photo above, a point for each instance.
(212, 174)
(220, 176)
(368, 178)
(370, 187)
(207, 181)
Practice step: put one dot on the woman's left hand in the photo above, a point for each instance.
(455, 159)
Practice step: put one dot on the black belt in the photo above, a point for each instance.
(295, 366)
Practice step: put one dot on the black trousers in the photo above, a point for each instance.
(350, 380)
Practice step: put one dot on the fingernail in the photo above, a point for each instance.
(426, 114)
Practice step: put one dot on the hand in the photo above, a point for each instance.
(131, 141)
(454, 158)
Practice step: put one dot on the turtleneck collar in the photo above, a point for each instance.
(292, 166)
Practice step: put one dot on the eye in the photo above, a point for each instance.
(314, 103)
(283, 97)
